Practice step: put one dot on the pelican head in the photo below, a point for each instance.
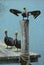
(6, 31)
(24, 8)
(16, 33)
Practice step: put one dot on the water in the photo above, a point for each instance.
(11, 22)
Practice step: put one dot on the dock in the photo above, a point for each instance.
(13, 56)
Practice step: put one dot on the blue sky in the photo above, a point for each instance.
(11, 22)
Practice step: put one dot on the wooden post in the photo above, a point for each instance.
(24, 24)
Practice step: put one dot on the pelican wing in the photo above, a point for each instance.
(14, 11)
(35, 13)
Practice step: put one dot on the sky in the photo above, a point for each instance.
(11, 22)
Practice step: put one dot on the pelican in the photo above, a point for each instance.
(17, 42)
(8, 40)
(26, 14)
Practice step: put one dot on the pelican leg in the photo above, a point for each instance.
(11, 47)
(17, 49)
(7, 47)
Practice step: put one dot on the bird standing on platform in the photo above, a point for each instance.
(8, 40)
(17, 42)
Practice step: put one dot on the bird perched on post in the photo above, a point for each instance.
(8, 40)
(35, 13)
(17, 42)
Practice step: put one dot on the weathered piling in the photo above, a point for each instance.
(24, 24)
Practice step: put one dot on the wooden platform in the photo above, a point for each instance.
(12, 56)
